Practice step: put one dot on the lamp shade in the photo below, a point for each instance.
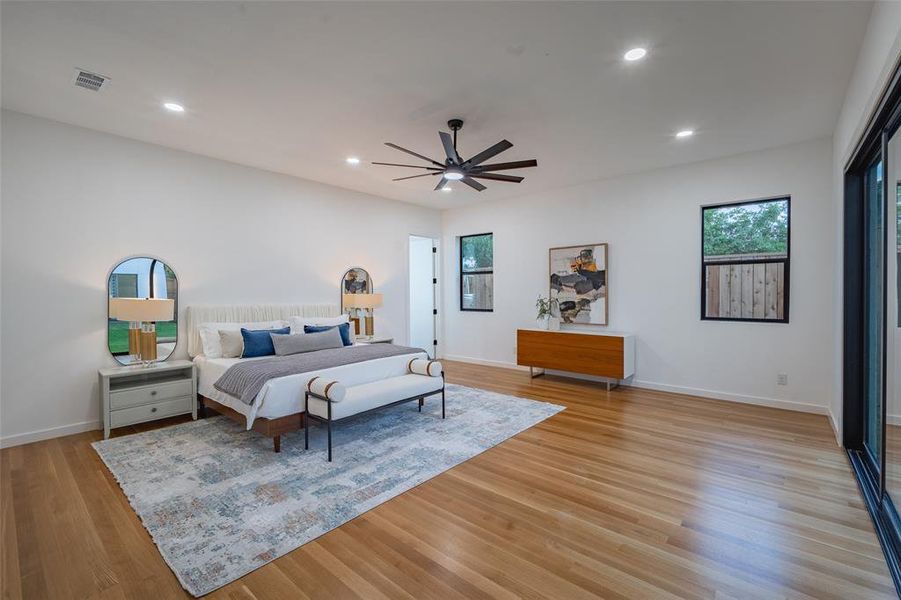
(142, 309)
(362, 300)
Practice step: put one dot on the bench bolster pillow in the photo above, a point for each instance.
(333, 390)
(424, 366)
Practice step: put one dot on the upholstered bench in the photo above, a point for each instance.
(330, 401)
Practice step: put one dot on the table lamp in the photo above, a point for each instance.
(142, 314)
(367, 302)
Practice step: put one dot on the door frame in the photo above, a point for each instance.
(872, 144)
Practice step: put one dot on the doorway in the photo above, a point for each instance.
(423, 302)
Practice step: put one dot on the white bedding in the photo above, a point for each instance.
(284, 396)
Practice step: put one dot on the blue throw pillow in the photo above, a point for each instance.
(258, 343)
(343, 329)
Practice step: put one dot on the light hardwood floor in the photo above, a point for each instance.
(627, 494)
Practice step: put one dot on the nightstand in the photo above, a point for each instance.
(374, 340)
(130, 395)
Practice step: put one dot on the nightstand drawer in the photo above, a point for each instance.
(147, 412)
(146, 394)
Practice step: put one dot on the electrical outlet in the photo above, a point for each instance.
(782, 378)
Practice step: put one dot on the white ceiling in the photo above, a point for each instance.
(297, 87)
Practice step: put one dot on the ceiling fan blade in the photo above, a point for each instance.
(410, 166)
(425, 158)
(448, 143)
(497, 177)
(441, 184)
(519, 164)
(488, 153)
(473, 184)
(415, 176)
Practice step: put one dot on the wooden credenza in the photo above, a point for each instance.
(603, 354)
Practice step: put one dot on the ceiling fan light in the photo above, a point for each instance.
(635, 54)
(454, 175)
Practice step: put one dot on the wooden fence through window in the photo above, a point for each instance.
(745, 287)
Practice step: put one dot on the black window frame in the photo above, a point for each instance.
(786, 262)
(462, 272)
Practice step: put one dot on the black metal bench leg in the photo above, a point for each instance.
(420, 404)
(329, 424)
(306, 421)
(442, 403)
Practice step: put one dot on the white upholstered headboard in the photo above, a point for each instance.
(245, 313)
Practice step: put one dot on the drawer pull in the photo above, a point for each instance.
(153, 409)
(153, 393)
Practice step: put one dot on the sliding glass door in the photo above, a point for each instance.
(872, 320)
(874, 311)
(892, 188)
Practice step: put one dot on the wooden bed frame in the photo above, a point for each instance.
(273, 428)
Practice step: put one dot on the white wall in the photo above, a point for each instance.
(652, 223)
(878, 54)
(76, 201)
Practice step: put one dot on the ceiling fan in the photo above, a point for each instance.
(457, 169)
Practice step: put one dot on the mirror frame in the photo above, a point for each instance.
(177, 286)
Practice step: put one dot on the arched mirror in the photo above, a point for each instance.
(142, 321)
(355, 281)
(356, 289)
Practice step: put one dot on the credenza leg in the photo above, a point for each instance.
(612, 385)
(532, 373)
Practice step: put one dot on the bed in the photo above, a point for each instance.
(279, 406)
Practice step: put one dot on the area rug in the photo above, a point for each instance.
(219, 503)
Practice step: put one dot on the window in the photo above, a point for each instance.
(745, 261)
(477, 272)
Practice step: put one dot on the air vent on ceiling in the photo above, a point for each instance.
(89, 81)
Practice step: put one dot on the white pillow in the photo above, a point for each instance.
(209, 333)
(232, 343)
(297, 323)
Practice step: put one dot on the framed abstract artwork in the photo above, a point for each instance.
(578, 281)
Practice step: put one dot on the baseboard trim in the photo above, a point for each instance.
(54, 432)
(485, 362)
(834, 422)
(45, 434)
(740, 398)
(676, 389)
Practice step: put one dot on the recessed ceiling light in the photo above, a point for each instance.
(174, 107)
(685, 133)
(635, 54)
(352, 160)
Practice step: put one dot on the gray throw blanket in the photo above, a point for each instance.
(245, 379)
